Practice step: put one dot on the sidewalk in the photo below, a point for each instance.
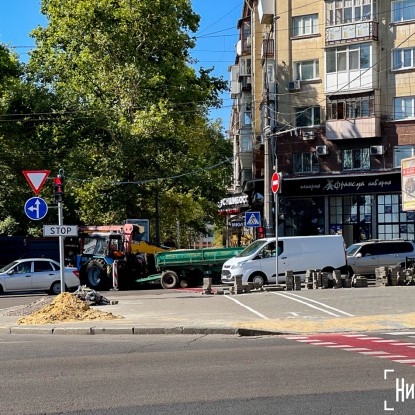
(191, 312)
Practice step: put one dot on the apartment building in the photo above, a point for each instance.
(331, 85)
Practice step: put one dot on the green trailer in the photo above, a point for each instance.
(187, 267)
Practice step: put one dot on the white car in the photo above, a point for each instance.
(36, 274)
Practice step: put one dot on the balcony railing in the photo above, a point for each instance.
(352, 32)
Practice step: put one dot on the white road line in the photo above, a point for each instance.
(401, 333)
(403, 344)
(391, 356)
(296, 337)
(384, 341)
(411, 347)
(405, 361)
(303, 302)
(338, 346)
(324, 343)
(247, 307)
(355, 349)
(309, 341)
(373, 353)
(322, 304)
(368, 338)
(354, 335)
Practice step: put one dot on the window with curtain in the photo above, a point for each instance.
(356, 159)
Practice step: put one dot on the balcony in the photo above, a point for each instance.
(352, 32)
(266, 11)
(356, 128)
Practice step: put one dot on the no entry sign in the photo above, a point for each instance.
(275, 182)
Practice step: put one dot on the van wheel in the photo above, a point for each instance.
(258, 279)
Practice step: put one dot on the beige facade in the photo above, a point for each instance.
(332, 84)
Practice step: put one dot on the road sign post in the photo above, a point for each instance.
(275, 186)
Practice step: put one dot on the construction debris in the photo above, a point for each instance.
(91, 297)
(64, 308)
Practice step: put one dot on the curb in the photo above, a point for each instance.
(130, 330)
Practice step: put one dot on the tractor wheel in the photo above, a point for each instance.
(96, 274)
(169, 279)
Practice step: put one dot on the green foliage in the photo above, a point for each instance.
(8, 226)
(123, 113)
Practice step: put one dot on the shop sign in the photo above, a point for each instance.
(408, 183)
(233, 203)
(379, 183)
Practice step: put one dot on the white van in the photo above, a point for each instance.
(256, 263)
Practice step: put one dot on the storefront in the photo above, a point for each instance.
(234, 207)
(360, 207)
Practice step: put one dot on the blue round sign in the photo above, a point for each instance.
(36, 208)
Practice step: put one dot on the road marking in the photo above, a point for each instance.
(391, 356)
(373, 353)
(368, 338)
(339, 346)
(247, 307)
(355, 349)
(322, 304)
(402, 344)
(355, 335)
(405, 361)
(401, 333)
(309, 305)
(385, 341)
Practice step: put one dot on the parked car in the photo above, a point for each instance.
(364, 257)
(36, 274)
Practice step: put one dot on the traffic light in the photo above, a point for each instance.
(58, 189)
(261, 232)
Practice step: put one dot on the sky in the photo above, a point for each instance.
(216, 38)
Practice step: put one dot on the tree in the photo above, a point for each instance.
(134, 109)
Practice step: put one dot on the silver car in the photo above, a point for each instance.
(364, 257)
(36, 274)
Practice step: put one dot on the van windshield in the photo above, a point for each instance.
(251, 249)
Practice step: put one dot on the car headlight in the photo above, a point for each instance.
(239, 264)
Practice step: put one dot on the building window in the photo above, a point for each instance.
(346, 11)
(402, 152)
(307, 116)
(305, 163)
(347, 58)
(403, 58)
(247, 115)
(305, 25)
(306, 70)
(351, 108)
(246, 144)
(393, 222)
(356, 159)
(404, 108)
(403, 10)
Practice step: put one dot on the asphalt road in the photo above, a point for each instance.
(187, 375)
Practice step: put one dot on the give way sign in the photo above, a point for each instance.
(36, 178)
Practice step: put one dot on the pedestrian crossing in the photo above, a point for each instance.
(398, 351)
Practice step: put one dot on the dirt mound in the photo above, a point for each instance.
(65, 307)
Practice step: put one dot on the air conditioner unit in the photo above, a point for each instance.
(322, 150)
(376, 150)
(294, 85)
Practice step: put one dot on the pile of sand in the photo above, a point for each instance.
(65, 307)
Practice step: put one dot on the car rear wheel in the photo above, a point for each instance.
(1, 289)
(55, 288)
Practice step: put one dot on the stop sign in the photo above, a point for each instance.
(275, 182)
